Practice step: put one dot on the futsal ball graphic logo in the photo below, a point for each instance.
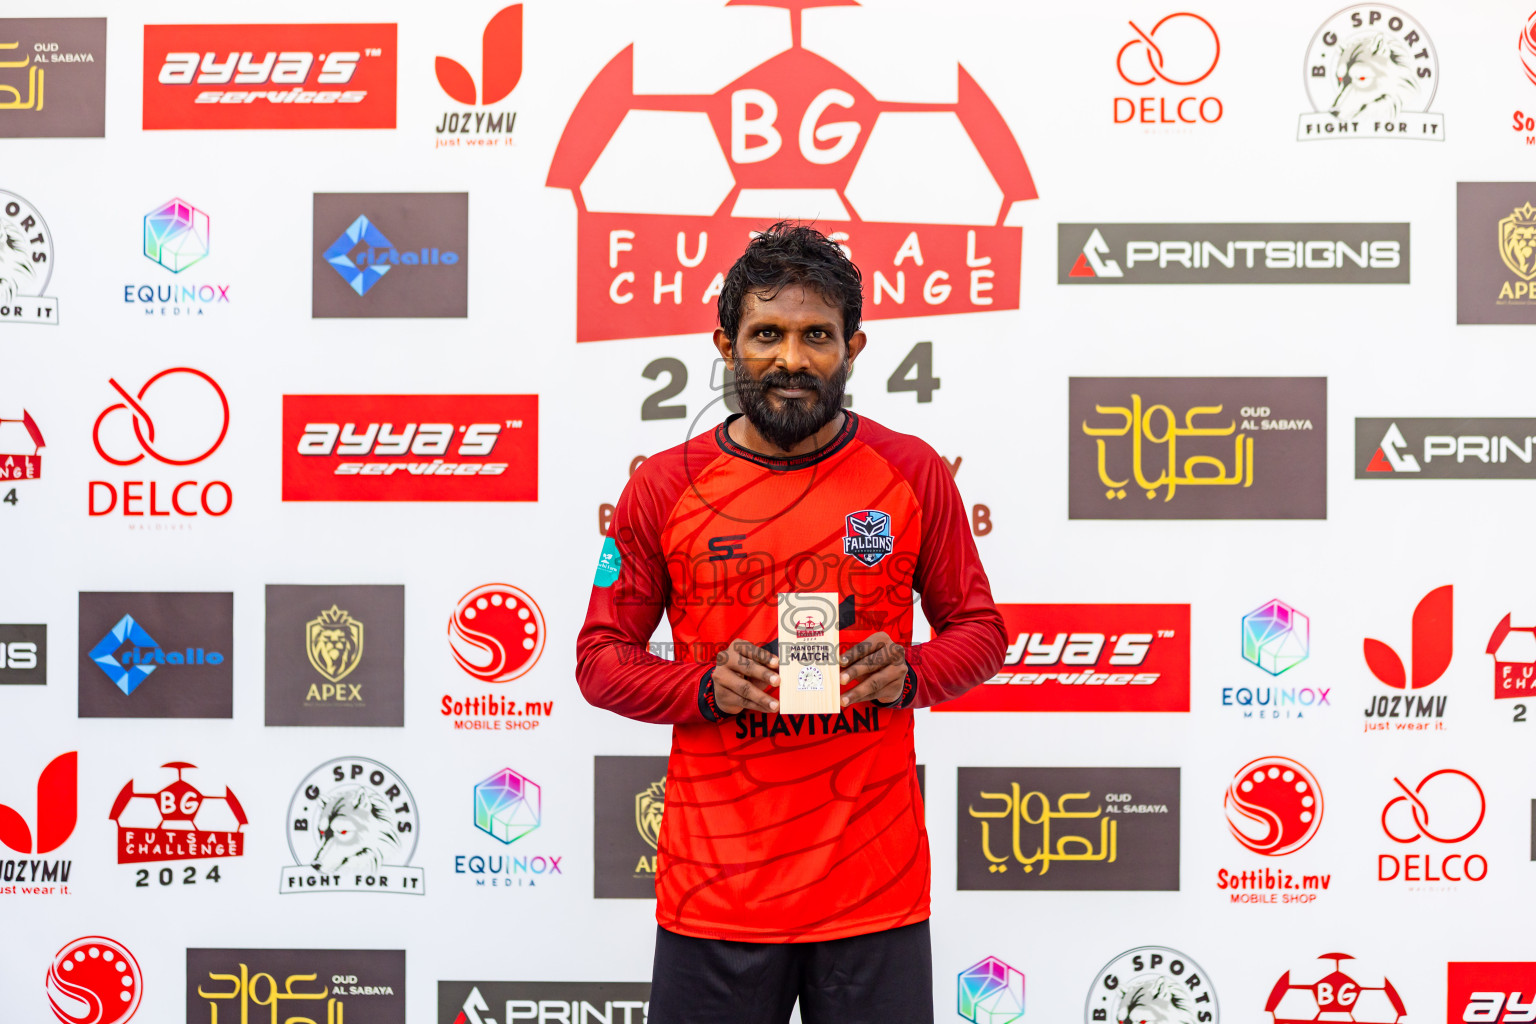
(1274, 806)
(1334, 997)
(497, 633)
(94, 980)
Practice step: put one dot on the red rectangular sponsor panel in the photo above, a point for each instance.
(1088, 657)
(269, 76)
(410, 447)
(1495, 992)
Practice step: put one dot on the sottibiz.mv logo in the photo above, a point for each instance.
(269, 76)
(410, 447)
(1429, 657)
(667, 187)
(1088, 657)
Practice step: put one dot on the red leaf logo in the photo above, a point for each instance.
(501, 62)
(1431, 653)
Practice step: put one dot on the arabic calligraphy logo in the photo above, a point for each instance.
(36, 75)
(1152, 985)
(1517, 241)
(1140, 426)
(649, 803)
(94, 980)
(501, 61)
(1187, 33)
(1431, 652)
(1276, 637)
(1454, 795)
(152, 441)
(496, 633)
(1016, 809)
(1390, 457)
(334, 642)
(1274, 806)
(991, 992)
(1335, 996)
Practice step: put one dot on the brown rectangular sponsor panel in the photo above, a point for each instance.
(336, 655)
(1068, 828)
(156, 655)
(334, 985)
(1197, 448)
(53, 78)
(629, 793)
(1495, 252)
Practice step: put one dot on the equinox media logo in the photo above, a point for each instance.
(991, 992)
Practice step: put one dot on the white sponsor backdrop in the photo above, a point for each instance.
(1386, 351)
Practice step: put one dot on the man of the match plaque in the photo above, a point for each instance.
(808, 655)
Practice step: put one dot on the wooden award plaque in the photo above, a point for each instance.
(808, 670)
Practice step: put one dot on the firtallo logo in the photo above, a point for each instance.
(178, 417)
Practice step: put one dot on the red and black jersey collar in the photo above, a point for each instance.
(832, 447)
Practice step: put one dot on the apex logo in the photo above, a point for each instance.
(1431, 652)
(1390, 456)
(1094, 260)
(57, 803)
(501, 62)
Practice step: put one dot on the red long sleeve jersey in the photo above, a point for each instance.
(787, 828)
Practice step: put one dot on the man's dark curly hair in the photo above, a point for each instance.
(789, 254)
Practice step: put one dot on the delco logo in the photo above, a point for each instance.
(1088, 657)
(410, 447)
(667, 187)
(269, 76)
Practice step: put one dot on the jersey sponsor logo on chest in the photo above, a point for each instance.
(867, 535)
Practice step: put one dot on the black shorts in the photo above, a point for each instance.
(880, 978)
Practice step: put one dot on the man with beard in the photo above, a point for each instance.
(792, 861)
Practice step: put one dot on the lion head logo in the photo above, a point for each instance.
(1155, 1000)
(17, 274)
(1517, 241)
(648, 807)
(356, 828)
(1374, 73)
(334, 642)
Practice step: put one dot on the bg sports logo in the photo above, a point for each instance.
(269, 76)
(1088, 657)
(410, 447)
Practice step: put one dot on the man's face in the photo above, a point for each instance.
(791, 363)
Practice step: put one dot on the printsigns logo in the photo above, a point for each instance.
(1068, 828)
(352, 827)
(1514, 660)
(991, 992)
(53, 78)
(501, 68)
(320, 671)
(332, 985)
(182, 640)
(424, 254)
(1088, 657)
(410, 447)
(1445, 448)
(1334, 996)
(1495, 252)
(1102, 253)
(26, 264)
(1447, 807)
(1276, 637)
(177, 822)
(1197, 448)
(1274, 806)
(501, 1002)
(182, 423)
(630, 794)
(928, 189)
(1178, 51)
(1490, 992)
(23, 655)
(1152, 983)
(94, 980)
(497, 633)
(1371, 74)
(269, 76)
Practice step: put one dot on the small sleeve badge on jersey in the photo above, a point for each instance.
(867, 535)
(608, 563)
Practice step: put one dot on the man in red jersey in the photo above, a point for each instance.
(793, 861)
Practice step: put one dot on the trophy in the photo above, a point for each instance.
(809, 673)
